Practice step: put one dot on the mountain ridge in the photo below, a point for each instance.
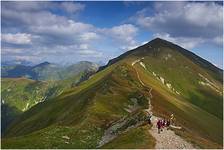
(116, 98)
(159, 41)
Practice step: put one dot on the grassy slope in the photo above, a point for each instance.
(101, 100)
(8, 114)
(204, 127)
(184, 78)
(199, 109)
(136, 138)
(20, 94)
(91, 107)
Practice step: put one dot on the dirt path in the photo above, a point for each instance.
(167, 139)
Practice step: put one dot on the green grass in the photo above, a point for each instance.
(135, 138)
(111, 94)
(203, 125)
(184, 78)
(22, 94)
(85, 136)
(83, 105)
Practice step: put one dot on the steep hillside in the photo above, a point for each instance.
(8, 114)
(181, 71)
(84, 112)
(110, 107)
(20, 94)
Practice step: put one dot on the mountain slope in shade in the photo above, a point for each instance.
(20, 94)
(113, 102)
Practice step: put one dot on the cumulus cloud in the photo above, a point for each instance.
(89, 36)
(218, 40)
(88, 52)
(187, 43)
(29, 58)
(123, 34)
(8, 50)
(72, 7)
(48, 34)
(18, 38)
(28, 6)
(53, 35)
(184, 21)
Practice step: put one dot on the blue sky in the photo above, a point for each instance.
(67, 32)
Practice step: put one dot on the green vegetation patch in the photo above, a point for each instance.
(135, 138)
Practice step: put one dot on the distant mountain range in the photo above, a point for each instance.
(110, 108)
(46, 70)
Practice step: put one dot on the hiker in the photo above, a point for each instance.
(168, 123)
(159, 124)
(163, 123)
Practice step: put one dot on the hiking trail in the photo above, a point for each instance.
(167, 139)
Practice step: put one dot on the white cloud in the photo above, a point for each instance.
(91, 53)
(189, 22)
(18, 38)
(85, 51)
(32, 6)
(123, 30)
(89, 36)
(187, 43)
(29, 58)
(72, 7)
(123, 35)
(66, 33)
(27, 6)
(204, 14)
(13, 51)
(53, 35)
(176, 17)
(50, 26)
(218, 40)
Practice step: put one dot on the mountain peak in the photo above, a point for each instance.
(159, 41)
(46, 63)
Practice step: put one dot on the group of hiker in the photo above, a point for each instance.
(163, 123)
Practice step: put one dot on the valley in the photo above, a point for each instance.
(18, 93)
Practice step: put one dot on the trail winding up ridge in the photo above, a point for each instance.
(167, 139)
